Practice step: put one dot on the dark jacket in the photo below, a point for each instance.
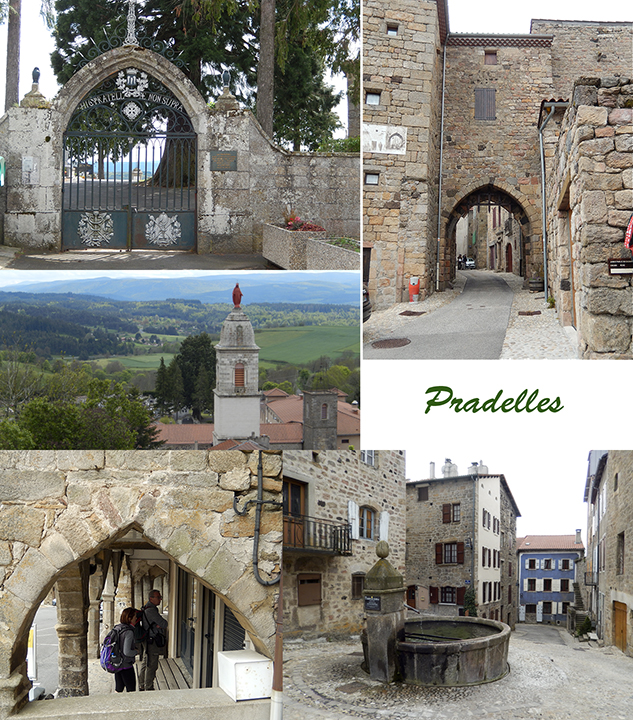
(156, 623)
(127, 645)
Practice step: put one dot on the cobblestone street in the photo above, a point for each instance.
(552, 676)
(535, 336)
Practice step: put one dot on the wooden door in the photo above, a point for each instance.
(619, 625)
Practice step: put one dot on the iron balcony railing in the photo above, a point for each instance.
(591, 578)
(313, 535)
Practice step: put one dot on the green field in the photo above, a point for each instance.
(293, 345)
(301, 345)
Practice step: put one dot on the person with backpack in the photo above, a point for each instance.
(153, 644)
(124, 675)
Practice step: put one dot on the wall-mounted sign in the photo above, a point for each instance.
(223, 160)
(372, 603)
(620, 267)
(384, 139)
(30, 170)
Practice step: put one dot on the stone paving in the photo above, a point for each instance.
(552, 677)
(527, 336)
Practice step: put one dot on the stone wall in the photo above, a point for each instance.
(400, 212)
(59, 508)
(590, 201)
(333, 479)
(233, 205)
(586, 49)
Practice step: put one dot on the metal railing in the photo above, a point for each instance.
(314, 535)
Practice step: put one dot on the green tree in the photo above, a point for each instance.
(14, 437)
(196, 351)
(202, 400)
(175, 397)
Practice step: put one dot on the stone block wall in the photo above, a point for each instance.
(590, 201)
(58, 508)
(332, 479)
(400, 212)
(586, 49)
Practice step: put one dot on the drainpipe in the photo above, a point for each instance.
(439, 190)
(551, 106)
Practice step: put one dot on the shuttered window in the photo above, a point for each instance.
(308, 589)
(485, 104)
(239, 375)
(433, 595)
(446, 513)
(234, 633)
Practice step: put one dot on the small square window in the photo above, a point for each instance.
(358, 585)
(371, 178)
(392, 30)
(490, 57)
(372, 98)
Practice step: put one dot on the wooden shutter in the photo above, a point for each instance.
(439, 554)
(485, 105)
(308, 589)
(384, 526)
(539, 584)
(461, 591)
(460, 553)
(423, 493)
(446, 513)
(527, 563)
(239, 375)
(352, 513)
(433, 595)
(555, 585)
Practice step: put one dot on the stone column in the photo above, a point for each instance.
(72, 631)
(384, 606)
(94, 625)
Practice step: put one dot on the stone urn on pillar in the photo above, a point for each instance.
(384, 609)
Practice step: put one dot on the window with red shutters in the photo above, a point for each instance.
(439, 553)
(433, 595)
(460, 553)
(446, 512)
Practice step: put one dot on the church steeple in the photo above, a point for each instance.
(237, 377)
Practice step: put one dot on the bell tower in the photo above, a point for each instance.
(237, 378)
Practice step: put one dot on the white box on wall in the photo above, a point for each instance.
(245, 674)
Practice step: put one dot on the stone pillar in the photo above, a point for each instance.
(94, 625)
(72, 631)
(384, 607)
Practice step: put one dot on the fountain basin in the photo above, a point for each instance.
(454, 651)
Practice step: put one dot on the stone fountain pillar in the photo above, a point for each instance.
(384, 608)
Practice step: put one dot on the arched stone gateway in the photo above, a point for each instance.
(129, 155)
(77, 520)
(492, 203)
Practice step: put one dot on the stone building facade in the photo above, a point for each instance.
(609, 576)
(453, 121)
(461, 534)
(337, 506)
(546, 569)
(589, 204)
(260, 184)
(103, 527)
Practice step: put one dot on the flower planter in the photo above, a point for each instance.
(305, 250)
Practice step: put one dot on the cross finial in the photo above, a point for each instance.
(130, 38)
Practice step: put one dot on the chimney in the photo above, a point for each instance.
(578, 538)
(473, 469)
(432, 471)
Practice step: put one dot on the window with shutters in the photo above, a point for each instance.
(239, 375)
(434, 595)
(449, 553)
(451, 512)
(530, 608)
(547, 608)
(565, 607)
(564, 585)
(448, 595)
(547, 585)
(366, 523)
(531, 584)
(565, 564)
(308, 589)
(547, 564)
(490, 57)
(485, 106)
(531, 564)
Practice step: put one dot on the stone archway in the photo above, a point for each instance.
(61, 508)
(499, 196)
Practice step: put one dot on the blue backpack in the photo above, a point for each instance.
(111, 656)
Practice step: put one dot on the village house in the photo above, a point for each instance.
(546, 576)
(337, 506)
(609, 575)
(461, 534)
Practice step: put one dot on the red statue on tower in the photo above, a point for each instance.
(237, 295)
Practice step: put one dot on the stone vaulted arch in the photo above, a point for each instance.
(59, 509)
(477, 195)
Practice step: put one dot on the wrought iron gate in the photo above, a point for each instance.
(129, 168)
